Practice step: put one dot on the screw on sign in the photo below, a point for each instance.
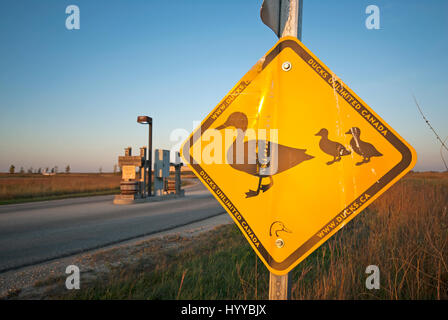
(293, 154)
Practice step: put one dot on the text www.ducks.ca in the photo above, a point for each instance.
(340, 218)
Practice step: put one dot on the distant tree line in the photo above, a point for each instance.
(31, 170)
(55, 170)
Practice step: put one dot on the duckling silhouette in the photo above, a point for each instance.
(276, 227)
(278, 157)
(331, 148)
(364, 149)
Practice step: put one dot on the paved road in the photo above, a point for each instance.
(36, 232)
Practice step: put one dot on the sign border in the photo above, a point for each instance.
(408, 160)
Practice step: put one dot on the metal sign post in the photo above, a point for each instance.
(279, 287)
(148, 168)
(284, 17)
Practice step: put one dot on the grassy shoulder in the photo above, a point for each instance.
(404, 233)
(215, 265)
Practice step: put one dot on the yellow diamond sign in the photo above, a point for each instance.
(293, 154)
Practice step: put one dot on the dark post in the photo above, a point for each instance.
(150, 159)
(148, 120)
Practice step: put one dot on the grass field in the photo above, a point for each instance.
(404, 233)
(19, 188)
(32, 187)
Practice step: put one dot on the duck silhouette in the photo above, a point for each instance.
(331, 148)
(276, 227)
(364, 149)
(276, 158)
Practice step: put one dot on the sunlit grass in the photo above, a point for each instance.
(33, 187)
(21, 188)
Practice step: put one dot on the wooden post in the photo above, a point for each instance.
(280, 286)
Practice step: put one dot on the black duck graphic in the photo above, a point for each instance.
(276, 227)
(364, 149)
(331, 148)
(284, 158)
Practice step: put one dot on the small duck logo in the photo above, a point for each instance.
(276, 227)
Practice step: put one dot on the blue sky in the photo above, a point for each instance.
(72, 97)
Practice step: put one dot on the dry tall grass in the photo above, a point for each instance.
(404, 233)
(35, 186)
